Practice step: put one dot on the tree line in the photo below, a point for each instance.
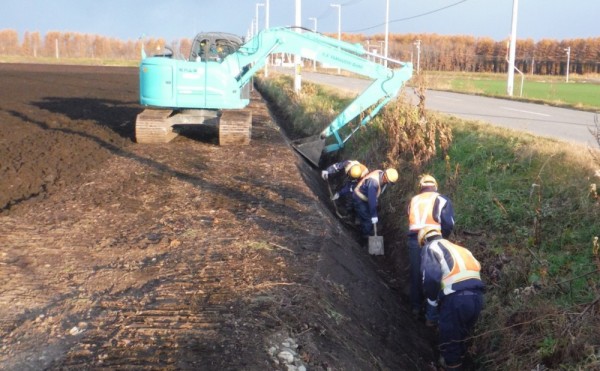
(483, 54)
(58, 45)
(433, 52)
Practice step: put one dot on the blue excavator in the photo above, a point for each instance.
(212, 85)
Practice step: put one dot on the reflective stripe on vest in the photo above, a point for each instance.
(372, 175)
(421, 211)
(465, 266)
(363, 170)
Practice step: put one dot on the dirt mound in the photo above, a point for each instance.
(184, 255)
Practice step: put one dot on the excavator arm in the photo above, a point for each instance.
(385, 86)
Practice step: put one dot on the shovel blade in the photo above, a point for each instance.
(376, 245)
(310, 148)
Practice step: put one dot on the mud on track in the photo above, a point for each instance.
(183, 255)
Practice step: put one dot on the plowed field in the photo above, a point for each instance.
(186, 255)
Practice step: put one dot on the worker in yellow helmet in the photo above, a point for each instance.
(353, 171)
(451, 281)
(426, 209)
(366, 195)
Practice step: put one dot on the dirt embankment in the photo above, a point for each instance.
(185, 255)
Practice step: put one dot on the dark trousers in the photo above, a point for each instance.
(362, 211)
(347, 205)
(416, 278)
(458, 314)
(417, 298)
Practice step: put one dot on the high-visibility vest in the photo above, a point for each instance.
(421, 211)
(465, 266)
(372, 175)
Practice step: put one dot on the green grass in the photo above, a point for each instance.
(579, 93)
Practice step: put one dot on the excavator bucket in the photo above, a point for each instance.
(310, 148)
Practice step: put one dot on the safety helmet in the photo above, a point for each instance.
(426, 232)
(355, 172)
(349, 165)
(428, 181)
(391, 175)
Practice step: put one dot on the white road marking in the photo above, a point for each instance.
(523, 111)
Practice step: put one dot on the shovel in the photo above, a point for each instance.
(333, 201)
(375, 243)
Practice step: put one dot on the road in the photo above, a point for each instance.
(559, 123)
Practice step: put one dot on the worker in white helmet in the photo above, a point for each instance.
(353, 171)
(427, 208)
(451, 282)
(366, 196)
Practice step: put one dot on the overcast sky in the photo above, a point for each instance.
(176, 19)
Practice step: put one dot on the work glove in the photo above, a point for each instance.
(433, 303)
(374, 220)
(335, 196)
(324, 174)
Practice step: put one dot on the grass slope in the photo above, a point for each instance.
(527, 207)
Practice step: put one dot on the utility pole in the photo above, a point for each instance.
(418, 45)
(266, 28)
(568, 50)
(314, 23)
(297, 59)
(315, 30)
(513, 46)
(339, 7)
(387, 25)
(257, 5)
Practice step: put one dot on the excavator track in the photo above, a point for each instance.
(154, 126)
(235, 127)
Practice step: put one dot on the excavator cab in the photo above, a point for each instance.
(214, 46)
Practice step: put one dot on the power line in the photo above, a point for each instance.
(411, 17)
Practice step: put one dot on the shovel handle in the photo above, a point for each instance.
(333, 201)
(375, 228)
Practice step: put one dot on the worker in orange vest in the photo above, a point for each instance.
(366, 195)
(452, 283)
(426, 209)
